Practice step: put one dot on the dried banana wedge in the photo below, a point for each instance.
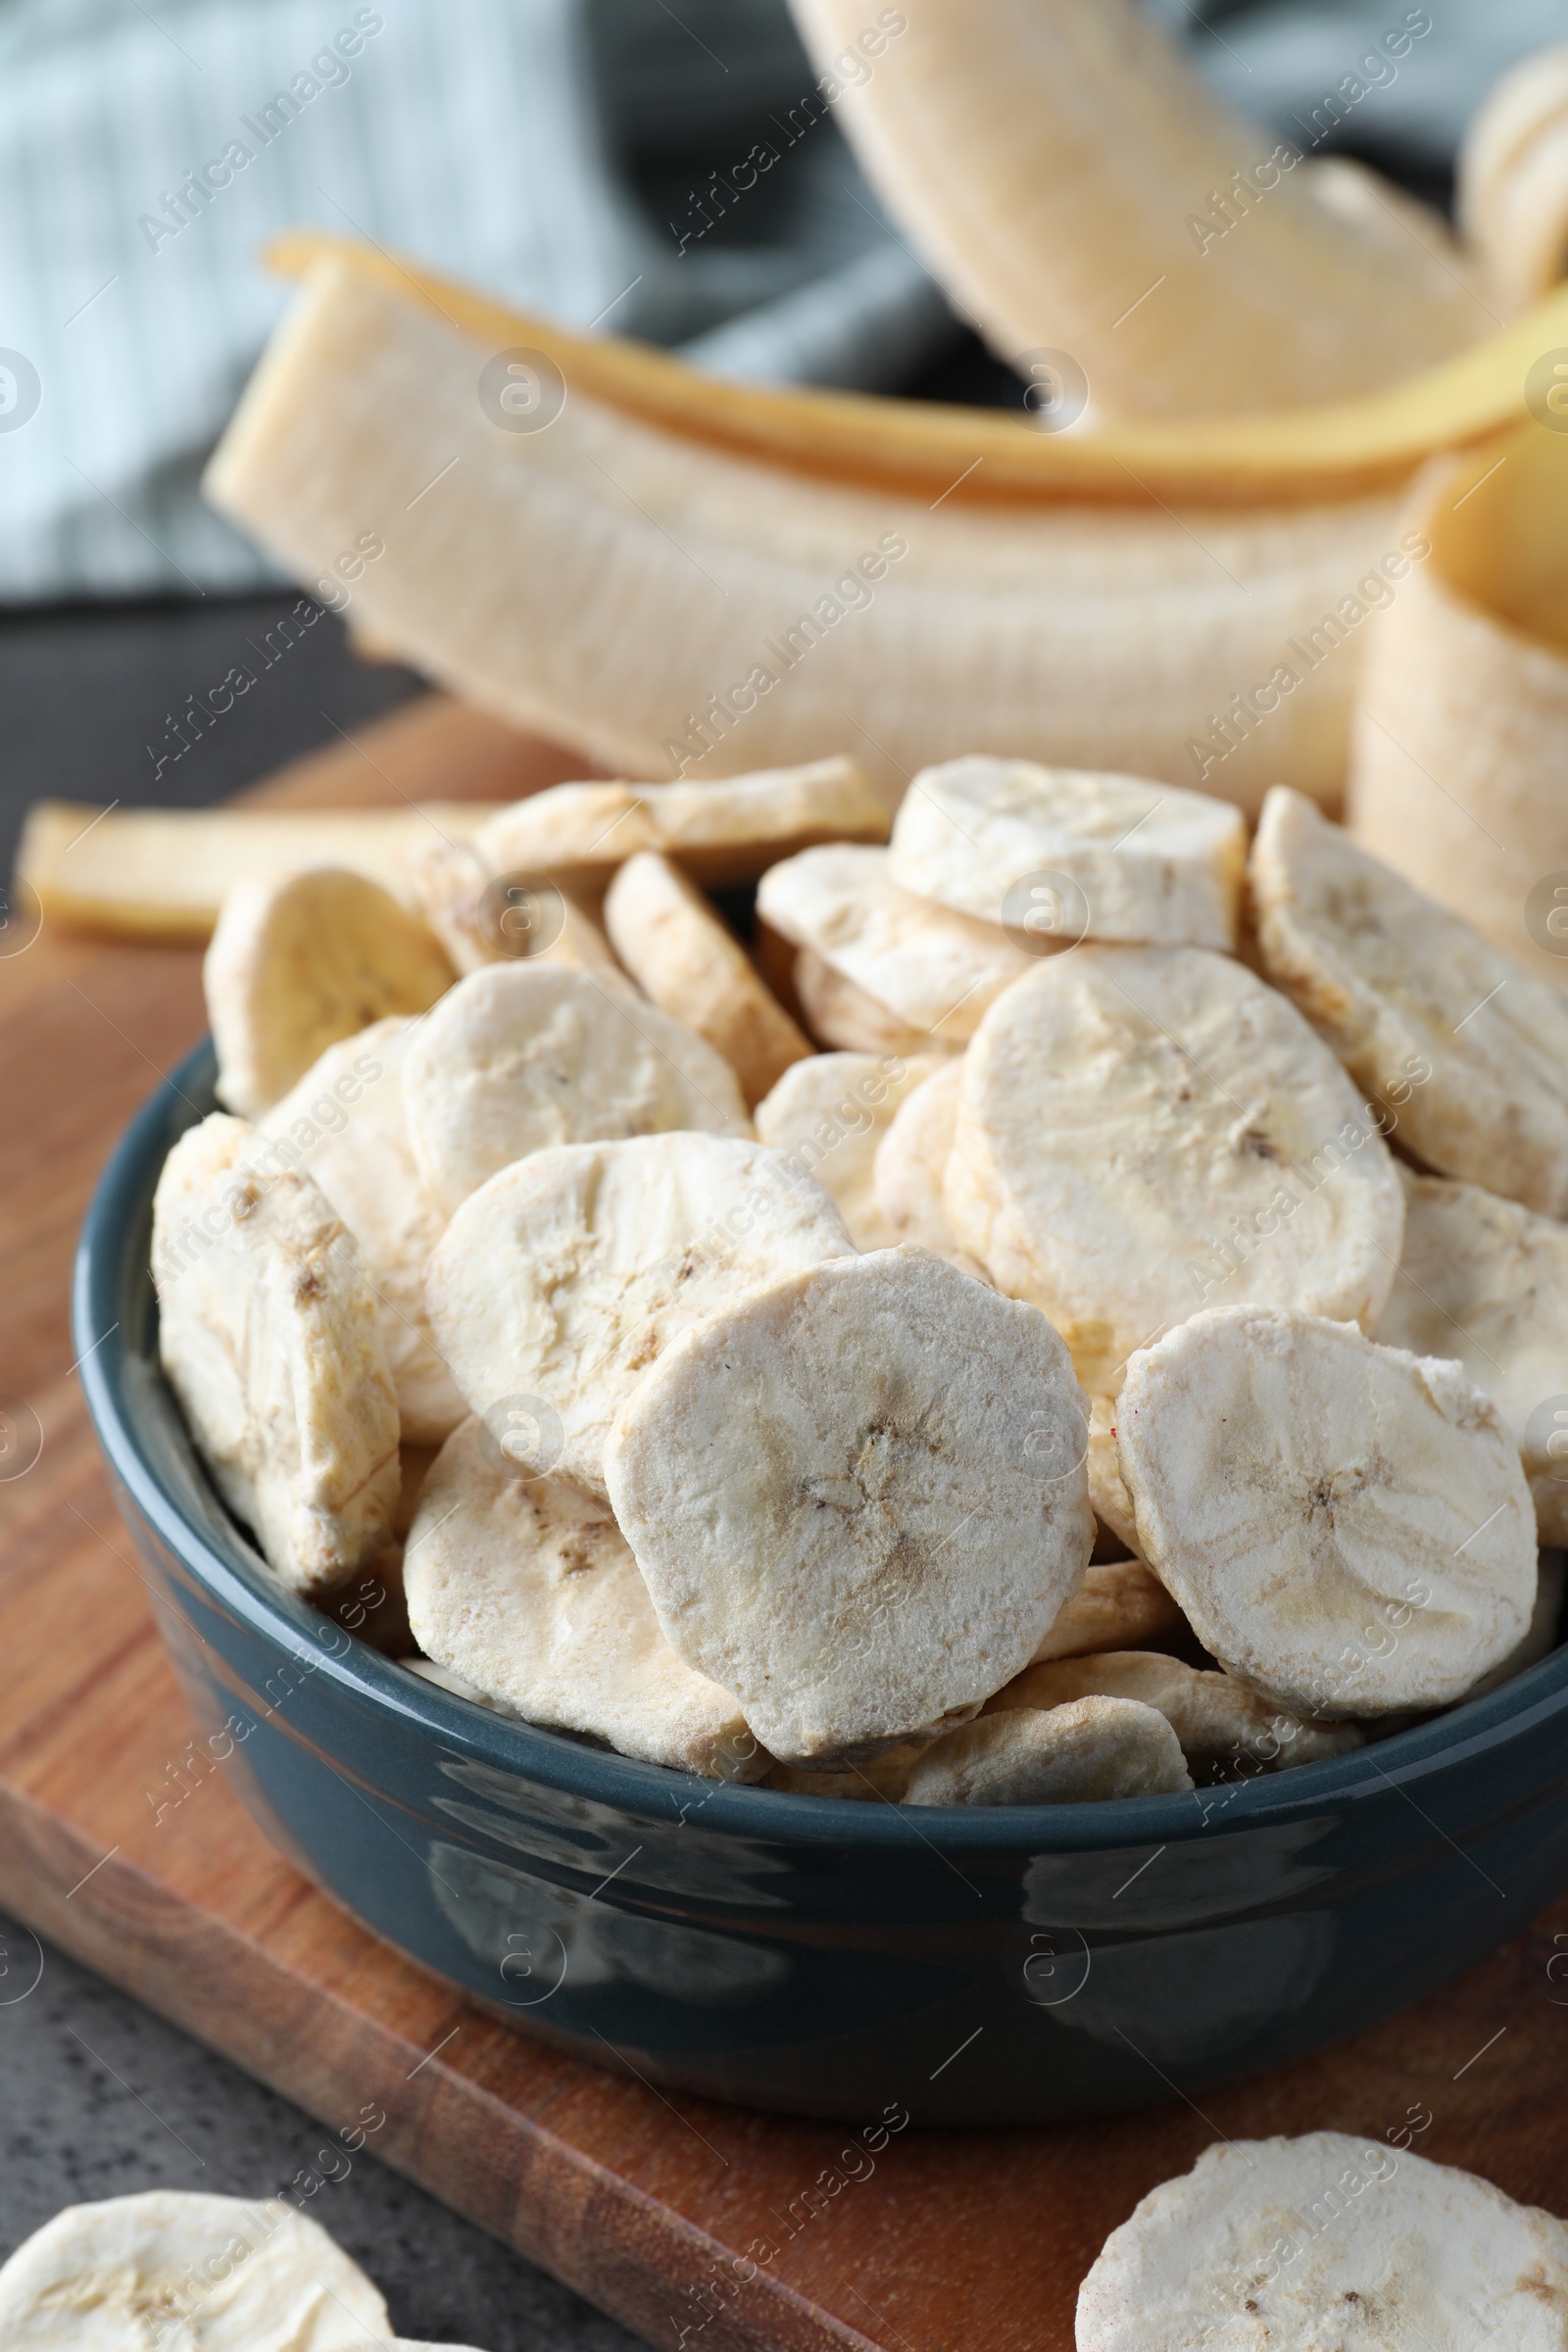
(1346, 1527)
(566, 1275)
(524, 1589)
(299, 960)
(344, 1125)
(1424, 1013)
(1142, 1131)
(910, 1170)
(829, 1114)
(1061, 853)
(1080, 1752)
(857, 1499)
(1218, 1721)
(521, 1056)
(270, 1337)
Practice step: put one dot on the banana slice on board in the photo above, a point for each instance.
(1218, 1721)
(1120, 1605)
(1077, 1754)
(344, 1125)
(1142, 1131)
(932, 967)
(910, 1170)
(828, 1115)
(299, 960)
(1470, 1049)
(203, 2274)
(521, 1056)
(1298, 2244)
(1486, 1281)
(857, 1499)
(846, 1019)
(270, 1337)
(1060, 853)
(526, 1590)
(1346, 1527)
(566, 1275)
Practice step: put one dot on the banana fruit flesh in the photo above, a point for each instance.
(1075, 186)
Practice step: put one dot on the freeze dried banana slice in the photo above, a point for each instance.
(843, 1018)
(521, 1056)
(911, 1168)
(1144, 1130)
(526, 1590)
(689, 963)
(480, 918)
(299, 960)
(1469, 1049)
(1121, 1604)
(169, 2267)
(1061, 853)
(724, 831)
(564, 1278)
(344, 1125)
(1346, 1527)
(1486, 1281)
(1217, 1720)
(1326, 2241)
(270, 1337)
(1107, 1488)
(1075, 1754)
(857, 1499)
(933, 968)
(828, 1114)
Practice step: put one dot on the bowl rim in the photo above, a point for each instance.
(245, 1587)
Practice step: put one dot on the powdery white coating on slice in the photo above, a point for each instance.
(911, 1164)
(566, 1275)
(344, 1124)
(521, 1056)
(1346, 1527)
(1217, 1720)
(1121, 1604)
(300, 959)
(1327, 2243)
(933, 968)
(1486, 1281)
(526, 1590)
(1075, 1754)
(828, 1117)
(1144, 1130)
(688, 962)
(857, 1499)
(1152, 863)
(1472, 1049)
(204, 2273)
(270, 1338)
(847, 1020)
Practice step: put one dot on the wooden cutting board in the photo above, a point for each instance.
(643, 2204)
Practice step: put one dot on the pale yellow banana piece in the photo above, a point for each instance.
(1075, 186)
(1461, 741)
(1513, 179)
(480, 919)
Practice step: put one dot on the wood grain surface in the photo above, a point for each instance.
(646, 2206)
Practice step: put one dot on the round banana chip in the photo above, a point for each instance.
(845, 1019)
(1323, 2243)
(1030, 847)
(1486, 1281)
(520, 1055)
(1469, 1049)
(300, 959)
(934, 969)
(828, 1117)
(1121, 1604)
(1144, 1131)
(857, 1499)
(1222, 1726)
(171, 2268)
(270, 1338)
(1076, 1754)
(566, 1275)
(526, 1590)
(1346, 1527)
(910, 1167)
(344, 1125)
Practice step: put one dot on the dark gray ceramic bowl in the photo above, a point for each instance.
(1020, 1964)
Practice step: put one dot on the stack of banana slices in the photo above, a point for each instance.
(1077, 1307)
